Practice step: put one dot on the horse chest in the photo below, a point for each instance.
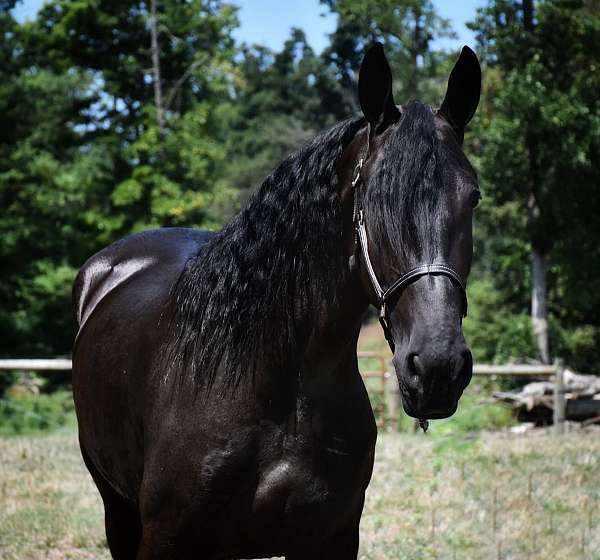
(301, 503)
(323, 476)
(270, 482)
(275, 490)
(317, 481)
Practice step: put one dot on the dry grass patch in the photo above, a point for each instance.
(494, 496)
(497, 496)
(49, 507)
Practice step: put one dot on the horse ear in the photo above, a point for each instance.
(375, 88)
(464, 89)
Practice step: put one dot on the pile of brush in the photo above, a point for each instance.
(534, 402)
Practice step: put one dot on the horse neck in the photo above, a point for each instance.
(329, 353)
(335, 329)
(274, 292)
(337, 325)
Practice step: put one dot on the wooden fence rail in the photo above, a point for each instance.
(515, 370)
(554, 371)
(36, 364)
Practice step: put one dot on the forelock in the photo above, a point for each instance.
(402, 202)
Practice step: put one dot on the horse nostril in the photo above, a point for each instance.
(415, 365)
(419, 366)
(463, 365)
(414, 379)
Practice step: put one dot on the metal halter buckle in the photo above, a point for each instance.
(357, 170)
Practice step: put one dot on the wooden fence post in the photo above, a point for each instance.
(393, 397)
(559, 398)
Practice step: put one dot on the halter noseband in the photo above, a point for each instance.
(384, 294)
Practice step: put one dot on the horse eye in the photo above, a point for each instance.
(474, 198)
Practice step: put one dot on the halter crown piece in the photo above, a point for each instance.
(384, 294)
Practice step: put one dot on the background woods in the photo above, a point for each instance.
(120, 116)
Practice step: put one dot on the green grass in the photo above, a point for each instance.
(479, 497)
(476, 413)
(434, 496)
(27, 414)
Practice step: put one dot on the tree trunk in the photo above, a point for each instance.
(528, 11)
(539, 309)
(155, 48)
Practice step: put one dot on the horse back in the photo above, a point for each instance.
(163, 252)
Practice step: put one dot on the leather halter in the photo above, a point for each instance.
(384, 294)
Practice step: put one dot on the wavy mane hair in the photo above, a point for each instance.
(252, 294)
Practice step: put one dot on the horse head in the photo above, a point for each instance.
(414, 192)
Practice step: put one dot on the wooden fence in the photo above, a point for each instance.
(384, 406)
(386, 387)
(556, 372)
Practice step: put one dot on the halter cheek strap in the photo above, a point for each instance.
(384, 294)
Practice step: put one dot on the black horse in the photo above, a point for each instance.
(221, 411)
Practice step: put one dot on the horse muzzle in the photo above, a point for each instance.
(431, 384)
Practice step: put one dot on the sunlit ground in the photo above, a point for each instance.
(455, 493)
(493, 496)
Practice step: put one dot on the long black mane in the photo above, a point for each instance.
(250, 298)
(252, 295)
(402, 203)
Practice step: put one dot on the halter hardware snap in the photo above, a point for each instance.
(357, 170)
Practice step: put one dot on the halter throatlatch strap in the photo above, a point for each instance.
(384, 294)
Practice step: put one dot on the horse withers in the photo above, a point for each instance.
(221, 411)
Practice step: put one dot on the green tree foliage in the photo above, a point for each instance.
(162, 177)
(541, 90)
(83, 162)
(269, 123)
(43, 177)
(285, 98)
(407, 30)
(88, 153)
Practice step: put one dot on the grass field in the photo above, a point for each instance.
(432, 496)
